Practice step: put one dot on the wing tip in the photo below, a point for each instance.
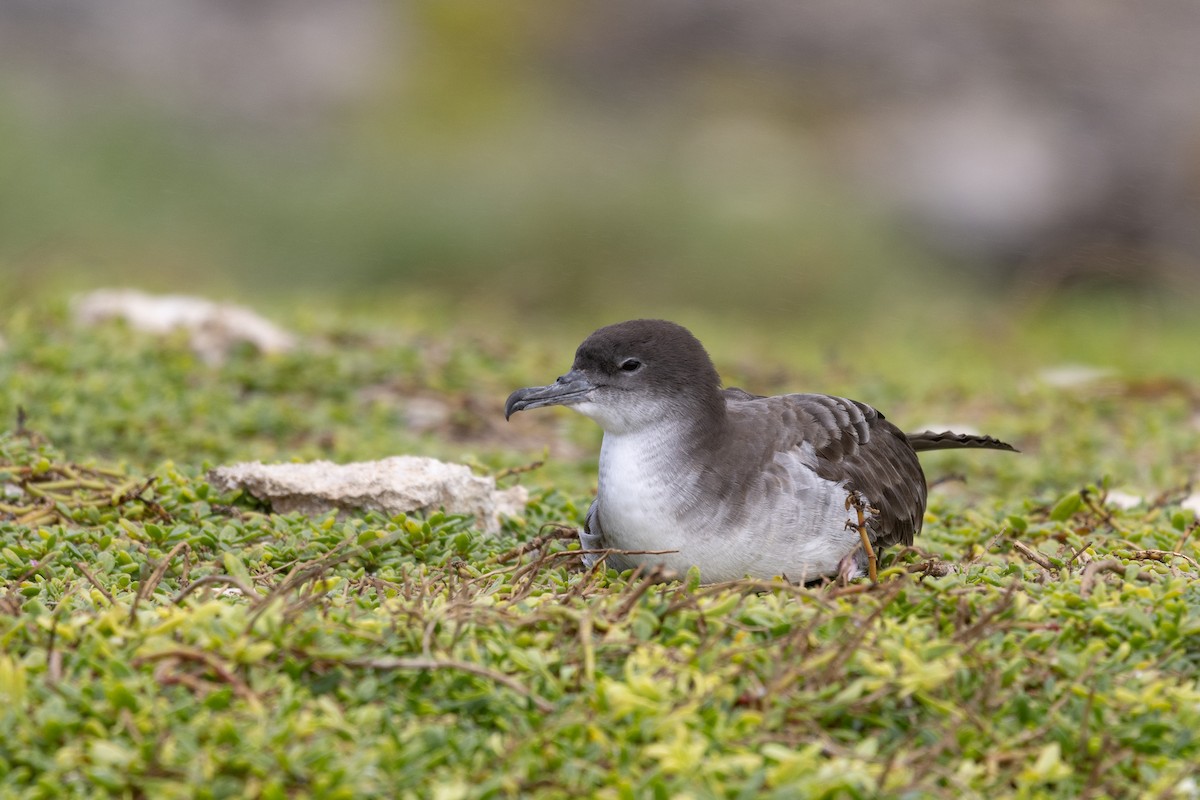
(949, 440)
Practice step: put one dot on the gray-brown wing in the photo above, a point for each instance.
(949, 440)
(734, 393)
(855, 443)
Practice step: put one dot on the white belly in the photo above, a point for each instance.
(647, 502)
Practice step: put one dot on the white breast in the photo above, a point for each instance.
(640, 496)
(650, 500)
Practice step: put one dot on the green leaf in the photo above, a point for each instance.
(1066, 507)
(236, 568)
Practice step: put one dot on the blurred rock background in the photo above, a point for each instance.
(772, 155)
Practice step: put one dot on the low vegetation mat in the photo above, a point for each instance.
(160, 639)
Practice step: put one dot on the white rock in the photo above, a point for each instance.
(401, 484)
(1123, 500)
(1192, 503)
(214, 328)
(1073, 376)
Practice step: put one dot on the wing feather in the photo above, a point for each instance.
(855, 445)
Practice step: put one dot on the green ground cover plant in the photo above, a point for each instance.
(159, 639)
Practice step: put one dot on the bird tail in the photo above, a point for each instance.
(948, 440)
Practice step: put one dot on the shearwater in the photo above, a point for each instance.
(735, 484)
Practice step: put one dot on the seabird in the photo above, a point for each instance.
(799, 485)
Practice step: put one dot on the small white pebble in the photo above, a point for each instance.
(1192, 503)
(1072, 376)
(1124, 500)
(214, 328)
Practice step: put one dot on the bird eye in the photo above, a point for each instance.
(630, 364)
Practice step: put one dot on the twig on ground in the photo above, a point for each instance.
(1077, 554)
(845, 591)
(1113, 565)
(556, 532)
(649, 577)
(147, 588)
(87, 573)
(1163, 556)
(510, 471)
(1033, 555)
(136, 492)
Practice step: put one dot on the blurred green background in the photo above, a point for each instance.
(767, 162)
